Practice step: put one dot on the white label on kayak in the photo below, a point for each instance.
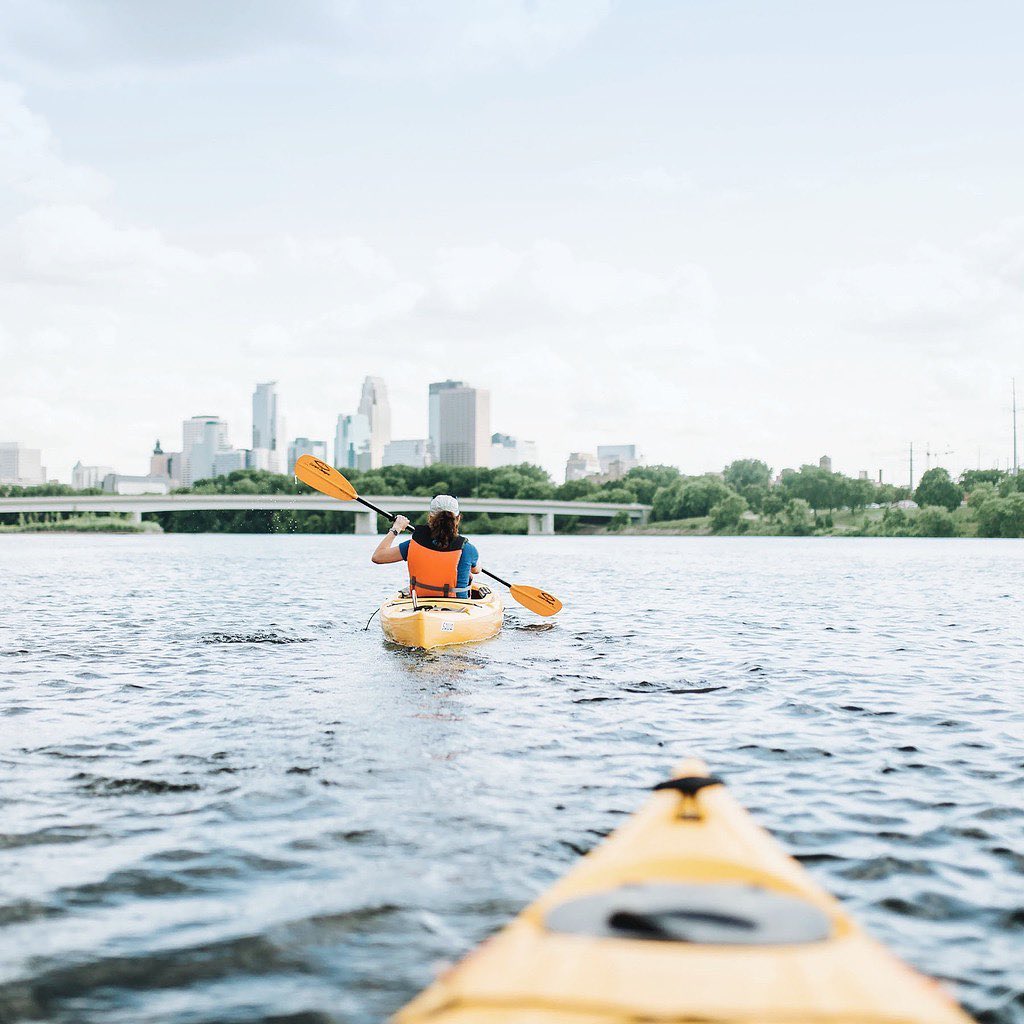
(447, 627)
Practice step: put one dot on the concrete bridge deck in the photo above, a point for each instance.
(541, 514)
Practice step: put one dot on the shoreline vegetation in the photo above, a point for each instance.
(745, 499)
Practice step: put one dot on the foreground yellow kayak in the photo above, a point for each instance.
(438, 622)
(688, 913)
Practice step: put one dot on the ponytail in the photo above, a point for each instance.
(444, 528)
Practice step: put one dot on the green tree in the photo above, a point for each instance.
(970, 478)
(726, 514)
(1001, 517)
(796, 517)
(747, 473)
(934, 521)
(936, 488)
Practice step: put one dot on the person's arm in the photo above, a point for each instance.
(475, 567)
(386, 551)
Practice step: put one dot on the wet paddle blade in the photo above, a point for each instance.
(537, 600)
(324, 478)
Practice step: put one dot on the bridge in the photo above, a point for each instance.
(540, 514)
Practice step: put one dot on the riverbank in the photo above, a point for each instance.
(87, 523)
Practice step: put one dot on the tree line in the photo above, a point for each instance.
(745, 497)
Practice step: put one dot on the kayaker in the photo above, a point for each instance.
(440, 561)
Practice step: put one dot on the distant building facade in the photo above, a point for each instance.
(202, 439)
(414, 453)
(511, 451)
(825, 463)
(352, 442)
(434, 412)
(616, 460)
(84, 478)
(306, 446)
(464, 426)
(580, 465)
(266, 426)
(21, 465)
(376, 407)
(118, 483)
(168, 464)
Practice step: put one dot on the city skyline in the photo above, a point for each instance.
(699, 228)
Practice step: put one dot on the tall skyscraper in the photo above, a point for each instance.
(464, 426)
(352, 442)
(202, 439)
(267, 428)
(374, 405)
(434, 412)
(20, 465)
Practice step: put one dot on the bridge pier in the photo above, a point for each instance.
(541, 523)
(366, 523)
(136, 516)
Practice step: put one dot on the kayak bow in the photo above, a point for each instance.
(690, 912)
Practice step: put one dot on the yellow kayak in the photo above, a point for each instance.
(438, 622)
(688, 913)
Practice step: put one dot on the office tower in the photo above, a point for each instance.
(825, 463)
(414, 453)
(434, 412)
(306, 446)
(267, 429)
(352, 442)
(511, 451)
(84, 478)
(581, 465)
(202, 438)
(374, 405)
(21, 465)
(464, 426)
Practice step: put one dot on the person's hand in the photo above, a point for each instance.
(400, 523)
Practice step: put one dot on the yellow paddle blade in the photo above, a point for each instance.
(324, 478)
(539, 601)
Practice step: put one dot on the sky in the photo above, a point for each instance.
(715, 229)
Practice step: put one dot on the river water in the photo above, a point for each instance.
(223, 801)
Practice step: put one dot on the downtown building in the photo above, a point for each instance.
(352, 442)
(203, 438)
(374, 405)
(21, 465)
(512, 451)
(415, 452)
(464, 426)
(86, 478)
(267, 441)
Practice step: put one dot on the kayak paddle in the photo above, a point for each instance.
(327, 480)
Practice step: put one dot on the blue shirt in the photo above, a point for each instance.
(469, 557)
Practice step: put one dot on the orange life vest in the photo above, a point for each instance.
(434, 573)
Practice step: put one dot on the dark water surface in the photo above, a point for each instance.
(224, 802)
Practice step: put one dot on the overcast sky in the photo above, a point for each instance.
(718, 229)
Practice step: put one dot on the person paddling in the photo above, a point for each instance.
(440, 561)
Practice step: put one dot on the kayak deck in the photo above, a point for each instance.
(441, 622)
(689, 912)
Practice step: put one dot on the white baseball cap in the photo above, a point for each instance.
(445, 503)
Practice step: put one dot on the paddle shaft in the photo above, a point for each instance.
(392, 517)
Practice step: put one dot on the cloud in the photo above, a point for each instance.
(935, 294)
(63, 37)
(30, 160)
(76, 245)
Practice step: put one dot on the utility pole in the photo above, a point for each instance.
(1013, 393)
